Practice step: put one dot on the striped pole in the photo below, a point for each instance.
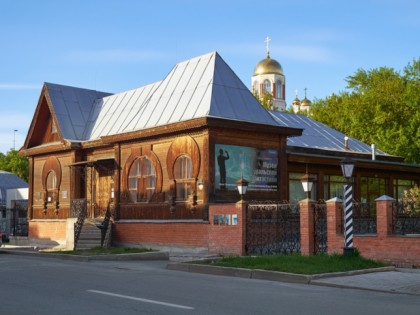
(348, 216)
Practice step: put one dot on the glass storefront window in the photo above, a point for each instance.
(296, 192)
(402, 184)
(333, 186)
(372, 188)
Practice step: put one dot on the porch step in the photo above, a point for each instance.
(90, 235)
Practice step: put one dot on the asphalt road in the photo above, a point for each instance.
(37, 285)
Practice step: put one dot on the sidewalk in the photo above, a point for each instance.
(388, 279)
(404, 281)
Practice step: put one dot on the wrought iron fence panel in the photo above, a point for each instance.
(403, 221)
(364, 218)
(320, 228)
(272, 228)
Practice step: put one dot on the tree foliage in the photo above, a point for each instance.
(380, 106)
(12, 162)
(266, 100)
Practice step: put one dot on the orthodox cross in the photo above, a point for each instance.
(267, 40)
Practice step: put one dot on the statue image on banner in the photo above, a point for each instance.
(221, 159)
(257, 166)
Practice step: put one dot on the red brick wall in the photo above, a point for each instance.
(172, 233)
(227, 239)
(398, 250)
(50, 230)
(219, 239)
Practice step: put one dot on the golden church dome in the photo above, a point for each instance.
(296, 101)
(306, 102)
(268, 66)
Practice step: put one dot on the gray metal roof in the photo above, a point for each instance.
(9, 181)
(319, 136)
(204, 86)
(72, 107)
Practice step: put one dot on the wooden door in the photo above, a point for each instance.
(104, 191)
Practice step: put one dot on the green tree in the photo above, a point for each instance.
(14, 163)
(380, 106)
(266, 100)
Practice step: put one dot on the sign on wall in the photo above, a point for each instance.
(257, 166)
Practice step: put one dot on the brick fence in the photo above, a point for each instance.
(225, 233)
(400, 250)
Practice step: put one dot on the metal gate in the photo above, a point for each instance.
(320, 228)
(272, 228)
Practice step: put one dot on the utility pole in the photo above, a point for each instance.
(14, 139)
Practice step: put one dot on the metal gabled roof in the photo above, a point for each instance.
(9, 181)
(204, 86)
(319, 136)
(72, 107)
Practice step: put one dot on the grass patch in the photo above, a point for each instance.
(299, 264)
(99, 250)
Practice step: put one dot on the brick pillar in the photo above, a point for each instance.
(241, 208)
(335, 225)
(306, 227)
(384, 215)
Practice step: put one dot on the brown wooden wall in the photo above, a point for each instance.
(41, 165)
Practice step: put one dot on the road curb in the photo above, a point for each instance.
(112, 257)
(266, 274)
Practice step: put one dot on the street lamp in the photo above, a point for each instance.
(307, 185)
(242, 187)
(347, 167)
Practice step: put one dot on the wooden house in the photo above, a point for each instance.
(159, 155)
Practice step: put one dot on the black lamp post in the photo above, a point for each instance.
(242, 187)
(347, 167)
(307, 185)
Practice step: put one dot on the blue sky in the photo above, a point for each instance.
(113, 46)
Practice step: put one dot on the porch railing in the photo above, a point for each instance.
(78, 210)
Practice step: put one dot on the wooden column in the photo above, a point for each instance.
(117, 180)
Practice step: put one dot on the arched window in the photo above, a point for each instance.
(267, 86)
(51, 186)
(142, 180)
(255, 88)
(278, 89)
(183, 177)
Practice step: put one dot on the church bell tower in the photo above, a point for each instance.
(269, 82)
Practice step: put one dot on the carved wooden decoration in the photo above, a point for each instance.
(180, 146)
(135, 154)
(51, 164)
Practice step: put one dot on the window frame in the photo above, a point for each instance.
(183, 178)
(145, 182)
(267, 83)
(51, 186)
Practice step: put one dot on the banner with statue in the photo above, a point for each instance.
(257, 166)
